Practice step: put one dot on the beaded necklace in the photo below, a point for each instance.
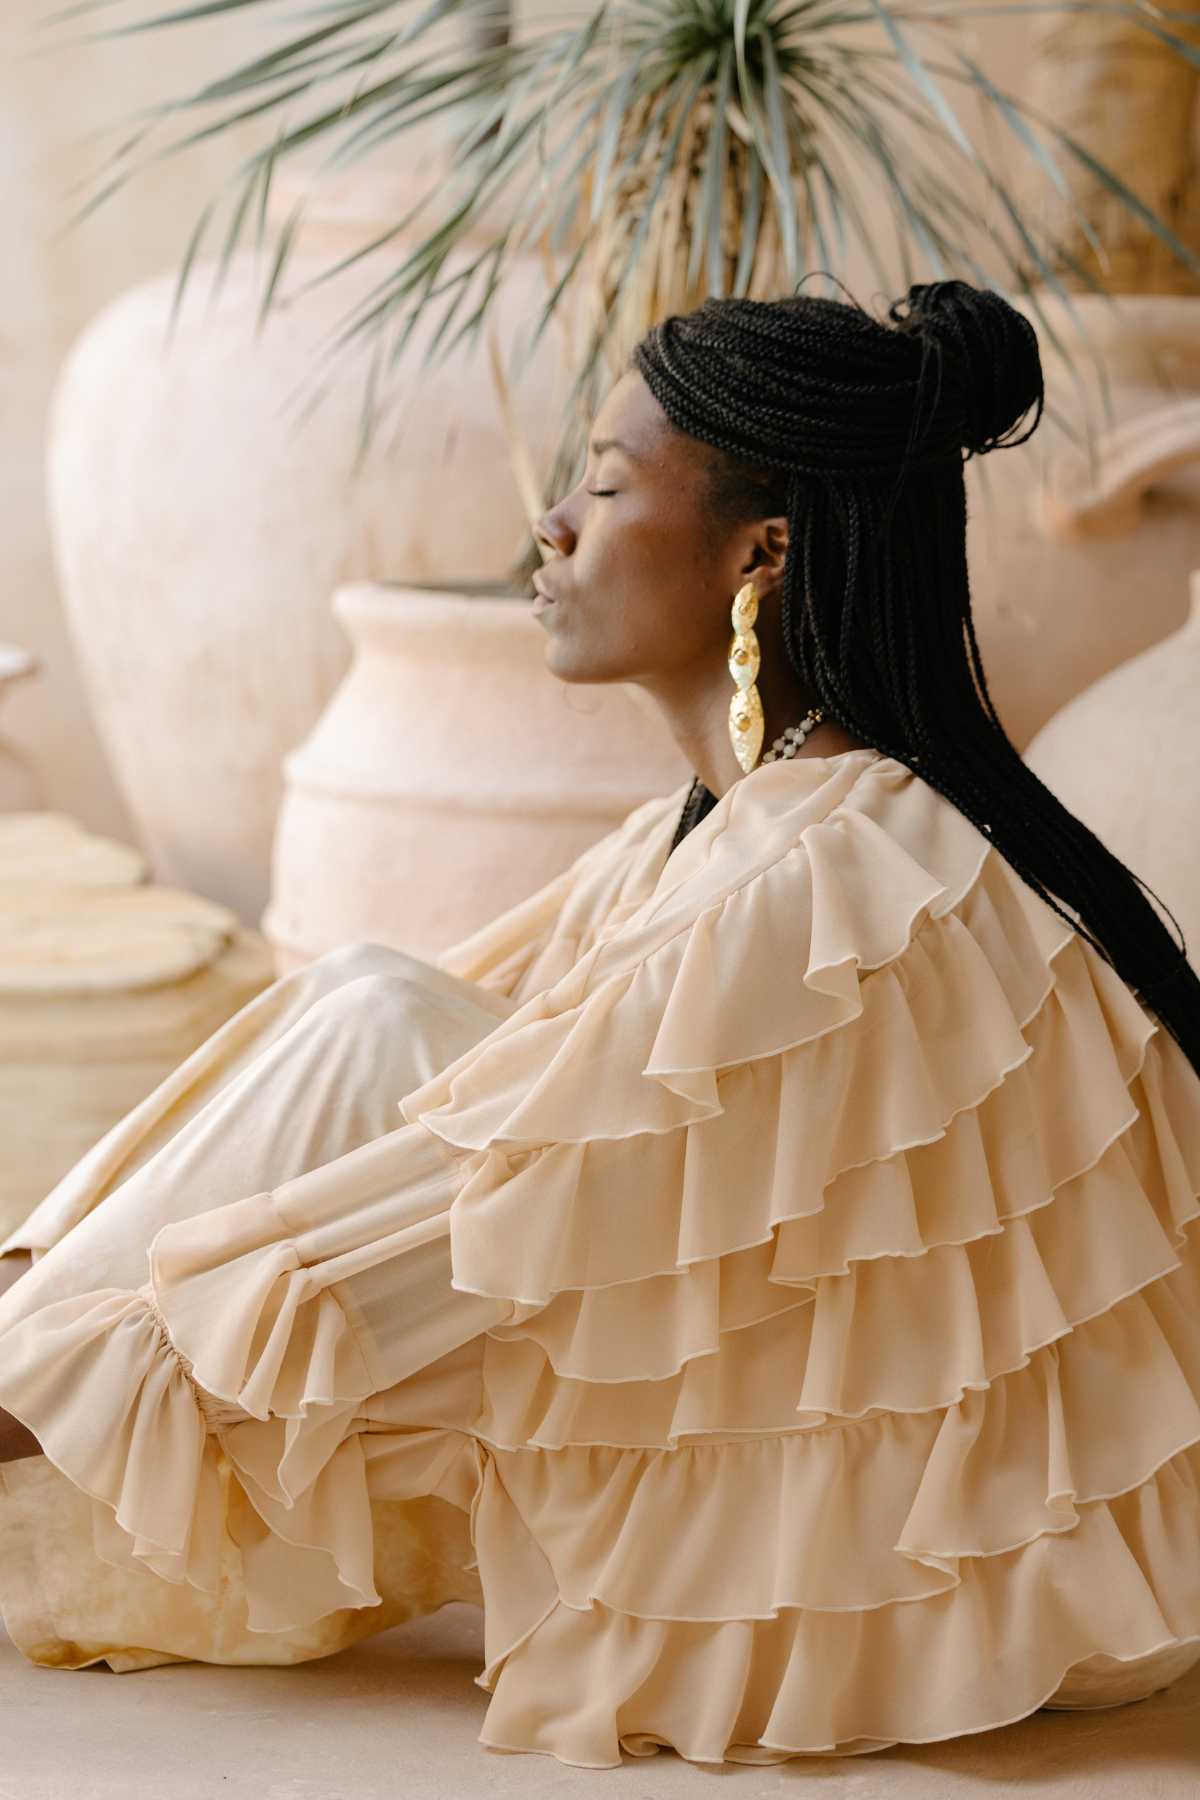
(700, 800)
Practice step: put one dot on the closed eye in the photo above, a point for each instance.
(602, 493)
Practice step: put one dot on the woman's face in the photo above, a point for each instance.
(638, 591)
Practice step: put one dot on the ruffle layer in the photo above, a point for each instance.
(792, 1372)
(983, 1651)
(828, 1357)
(131, 1433)
(963, 1090)
(871, 1512)
(852, 1296)
(684, 992)
(1002, 1149)
(236, 1350)
(1025, 1218)
(137, 1436)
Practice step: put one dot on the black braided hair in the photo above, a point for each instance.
(855, 428)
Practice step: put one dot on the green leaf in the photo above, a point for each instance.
(105, 193)
(1048, 163)
(574, 52)
(707, 227)
(189, 258)
(779, 160)
(266, 171)
(750, 223)
(917, 70)
(1115, 185)
(91, 6)
(282, 251)
(556, 293)
(276, 62)
(1146, 17)
(610, 131)
(234, 232)
(185, 16)
(933, 96)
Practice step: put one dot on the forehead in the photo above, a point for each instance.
(635, 425)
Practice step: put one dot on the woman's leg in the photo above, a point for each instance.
(350, 1100)
(313, 1067)
(320, 1078)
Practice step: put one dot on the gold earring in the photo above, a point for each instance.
(745, 707)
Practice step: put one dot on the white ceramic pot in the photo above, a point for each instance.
(20, 785)
(1125, 758)
(450, 775)
(106, 985)
(1077, 568)
(200, 531)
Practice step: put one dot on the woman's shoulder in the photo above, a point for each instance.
(842, 858)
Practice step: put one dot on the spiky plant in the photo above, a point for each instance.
(652, 152)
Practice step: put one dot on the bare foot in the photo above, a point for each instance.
(13, 1266)
(16, 1440)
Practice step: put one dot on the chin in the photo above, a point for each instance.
(568, 662)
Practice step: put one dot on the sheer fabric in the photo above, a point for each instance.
(764, 1276)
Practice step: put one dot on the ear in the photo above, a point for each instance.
(767, 550)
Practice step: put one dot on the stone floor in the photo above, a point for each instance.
(396, 1718)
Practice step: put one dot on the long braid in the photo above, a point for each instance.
(855, 429)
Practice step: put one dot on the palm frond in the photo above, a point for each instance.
(646, 151)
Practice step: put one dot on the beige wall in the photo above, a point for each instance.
(51, 285)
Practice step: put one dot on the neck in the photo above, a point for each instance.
(695, 704)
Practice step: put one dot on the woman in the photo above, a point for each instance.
(780, 1305)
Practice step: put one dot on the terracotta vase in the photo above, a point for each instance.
(1125, 757)
(450, 775)
(200, 528)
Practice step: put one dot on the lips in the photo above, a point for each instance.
(542, 592)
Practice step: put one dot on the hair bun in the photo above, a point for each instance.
(996, 348)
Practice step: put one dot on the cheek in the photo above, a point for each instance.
(635, 554)
(661, 621)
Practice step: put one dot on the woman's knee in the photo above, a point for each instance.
(371, 998)
(352, 962)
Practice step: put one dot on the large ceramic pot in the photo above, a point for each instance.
(450, 775)
(1080, 562)
(1125, 758)
(20, 785)
(200, 529)
(106, 985)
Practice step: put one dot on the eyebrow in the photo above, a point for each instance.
(600, 445)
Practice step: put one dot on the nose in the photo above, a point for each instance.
(553, 534)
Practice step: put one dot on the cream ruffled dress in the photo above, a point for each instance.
(765, 1276)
